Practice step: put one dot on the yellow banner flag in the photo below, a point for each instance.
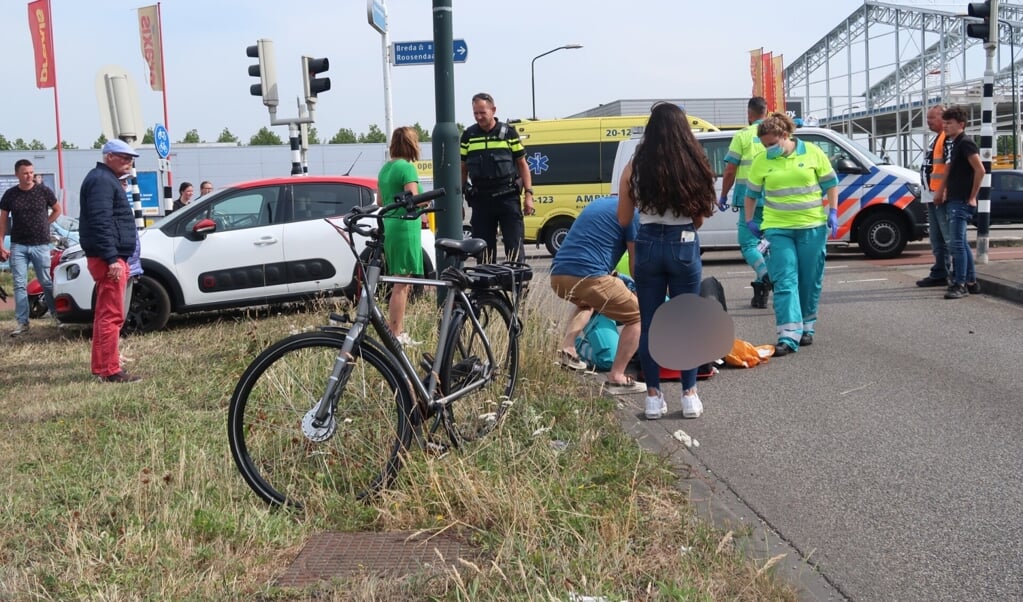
(152, 44)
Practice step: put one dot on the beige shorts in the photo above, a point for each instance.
(606, 295)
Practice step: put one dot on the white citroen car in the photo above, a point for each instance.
(255, 243)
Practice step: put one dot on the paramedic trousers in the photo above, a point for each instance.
(506, 212)
(796, 266)
(107, 317)
(748, 243)
(664, 265)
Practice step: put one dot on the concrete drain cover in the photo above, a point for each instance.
(337, 555)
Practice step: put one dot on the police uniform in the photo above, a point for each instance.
(744, 147)
(493, 193)
(795, 223)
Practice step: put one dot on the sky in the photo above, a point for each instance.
(640, 49)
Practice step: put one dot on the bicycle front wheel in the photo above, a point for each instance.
(287, 461)
(465, 358)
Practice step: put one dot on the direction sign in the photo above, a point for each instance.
(376, 13)
(162, 140)
(421, 52)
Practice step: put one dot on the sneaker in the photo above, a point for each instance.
(120, 377)
(628, 387)
(567, 360)
(656, 407)
(973, 288)
(930, 281)
(20, 330)
(692, 407)
(806, 340)
(957, 291)
(407, 341)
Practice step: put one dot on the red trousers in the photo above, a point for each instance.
(107, 317)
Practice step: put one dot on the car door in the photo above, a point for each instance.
(235, 263)
(1006, 196)
(315, 255)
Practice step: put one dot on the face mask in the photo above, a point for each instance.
(773, 151)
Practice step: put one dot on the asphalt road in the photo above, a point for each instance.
(888, 454)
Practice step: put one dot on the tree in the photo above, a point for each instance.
(344, 136)
(36, 145)
(149, 137)
(265, 137)
(1006, 145)
(64, 144)
(4, 144)
(424, 136)
(227, 136)
(98, 144)
(312, 136)
(191, 137)
(20, 144)
(373, 135)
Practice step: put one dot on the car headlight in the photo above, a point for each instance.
(71, 255)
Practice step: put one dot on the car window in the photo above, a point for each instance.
(241, 209)
(832, 150)
(1008, 182)
(716, 149)
(316, 201)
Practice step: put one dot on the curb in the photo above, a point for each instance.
(1000, 287)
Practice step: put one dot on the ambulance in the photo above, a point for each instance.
(879, 205)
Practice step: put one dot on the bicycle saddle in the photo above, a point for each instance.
(469, 247)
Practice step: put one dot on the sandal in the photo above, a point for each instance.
(628, 387)
(567, 360)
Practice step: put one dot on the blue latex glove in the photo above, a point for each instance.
(833, 222)
(752, 225)
(723, 203)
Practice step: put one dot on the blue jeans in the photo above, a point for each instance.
(664, 265)
(39, 256)
(937, 218)
(959, 215)
(748, 243)
(796, 264)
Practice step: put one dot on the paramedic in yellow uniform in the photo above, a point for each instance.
(793, 176)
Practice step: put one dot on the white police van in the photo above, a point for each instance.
(878, 203)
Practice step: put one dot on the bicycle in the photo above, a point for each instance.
(334, 410)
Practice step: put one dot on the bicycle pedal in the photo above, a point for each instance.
(339, 318)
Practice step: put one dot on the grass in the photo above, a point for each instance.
(129, 492)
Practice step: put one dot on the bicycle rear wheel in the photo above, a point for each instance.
(465, 357)
(288, 462)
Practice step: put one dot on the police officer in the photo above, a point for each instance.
(745, 145)
(793, 175)
(494, 174)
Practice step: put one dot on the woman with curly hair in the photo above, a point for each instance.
(670, 182)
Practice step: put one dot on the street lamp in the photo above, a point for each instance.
(532, 69)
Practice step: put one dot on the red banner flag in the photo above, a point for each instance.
(152, 44)
(756, 71)
(768, 75)
(778, 68)
(42, 42)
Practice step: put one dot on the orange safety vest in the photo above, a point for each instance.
(938, 166)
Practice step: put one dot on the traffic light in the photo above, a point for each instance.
(310, 69)
(265, 71)
(987, 29)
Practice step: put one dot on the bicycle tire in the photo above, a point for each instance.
(282, 465)
(479, 412)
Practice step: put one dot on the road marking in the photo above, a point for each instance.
(856, 389)
(864, 280)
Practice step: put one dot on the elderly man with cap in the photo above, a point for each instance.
(107, 231)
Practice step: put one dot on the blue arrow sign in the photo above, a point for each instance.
(377, 15)
(421, 52)
(162, 140)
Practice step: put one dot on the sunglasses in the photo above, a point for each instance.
(483, 96)
(123, 157)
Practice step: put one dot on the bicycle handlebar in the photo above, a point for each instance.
(412, 203)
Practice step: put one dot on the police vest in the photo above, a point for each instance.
(490, 156)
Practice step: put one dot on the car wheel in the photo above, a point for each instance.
(883, 235)
(554, 233)
(149, 308)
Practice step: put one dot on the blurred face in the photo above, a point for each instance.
(953, 128)
(934, 122)
(186, 194)
(483, 112)
(26, 177)
(118, 162)
(205, 189)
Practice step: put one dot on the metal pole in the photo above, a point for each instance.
(532, 69)
(986, 139)
(446, 158)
